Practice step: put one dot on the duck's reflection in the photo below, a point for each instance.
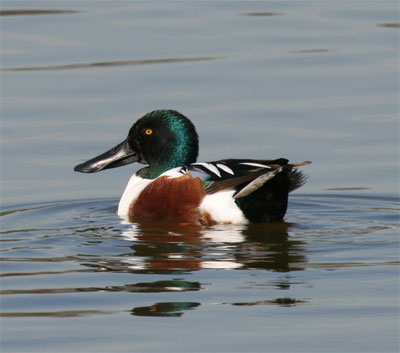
(176, 250)
(171, 309)
(268, 246)
(164, 247)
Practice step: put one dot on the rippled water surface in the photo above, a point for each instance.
(303, 80)
(77, 278)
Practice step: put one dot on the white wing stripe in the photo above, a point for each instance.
(225, 168)
(210, 167)
(256, 165)
(257, 183)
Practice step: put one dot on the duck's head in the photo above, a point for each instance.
(164, 139)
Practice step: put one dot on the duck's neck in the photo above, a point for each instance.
(153, 171)
(178, 158)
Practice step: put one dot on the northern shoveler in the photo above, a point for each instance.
(174, 186)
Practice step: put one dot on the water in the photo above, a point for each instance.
(304, 80)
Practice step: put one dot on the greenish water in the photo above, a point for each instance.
(303, 80)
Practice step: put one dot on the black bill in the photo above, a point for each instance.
(120, 155)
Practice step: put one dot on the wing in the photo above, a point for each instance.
(243, 175)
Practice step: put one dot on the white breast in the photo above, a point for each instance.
(135, 186)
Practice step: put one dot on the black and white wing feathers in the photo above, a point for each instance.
(243, 175)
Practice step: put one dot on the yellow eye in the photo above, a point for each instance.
(148, 131)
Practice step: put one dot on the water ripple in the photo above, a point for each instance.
(102, 64)
(36, 12)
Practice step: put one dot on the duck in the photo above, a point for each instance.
(173, 186)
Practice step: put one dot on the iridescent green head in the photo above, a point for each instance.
(163, 139)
